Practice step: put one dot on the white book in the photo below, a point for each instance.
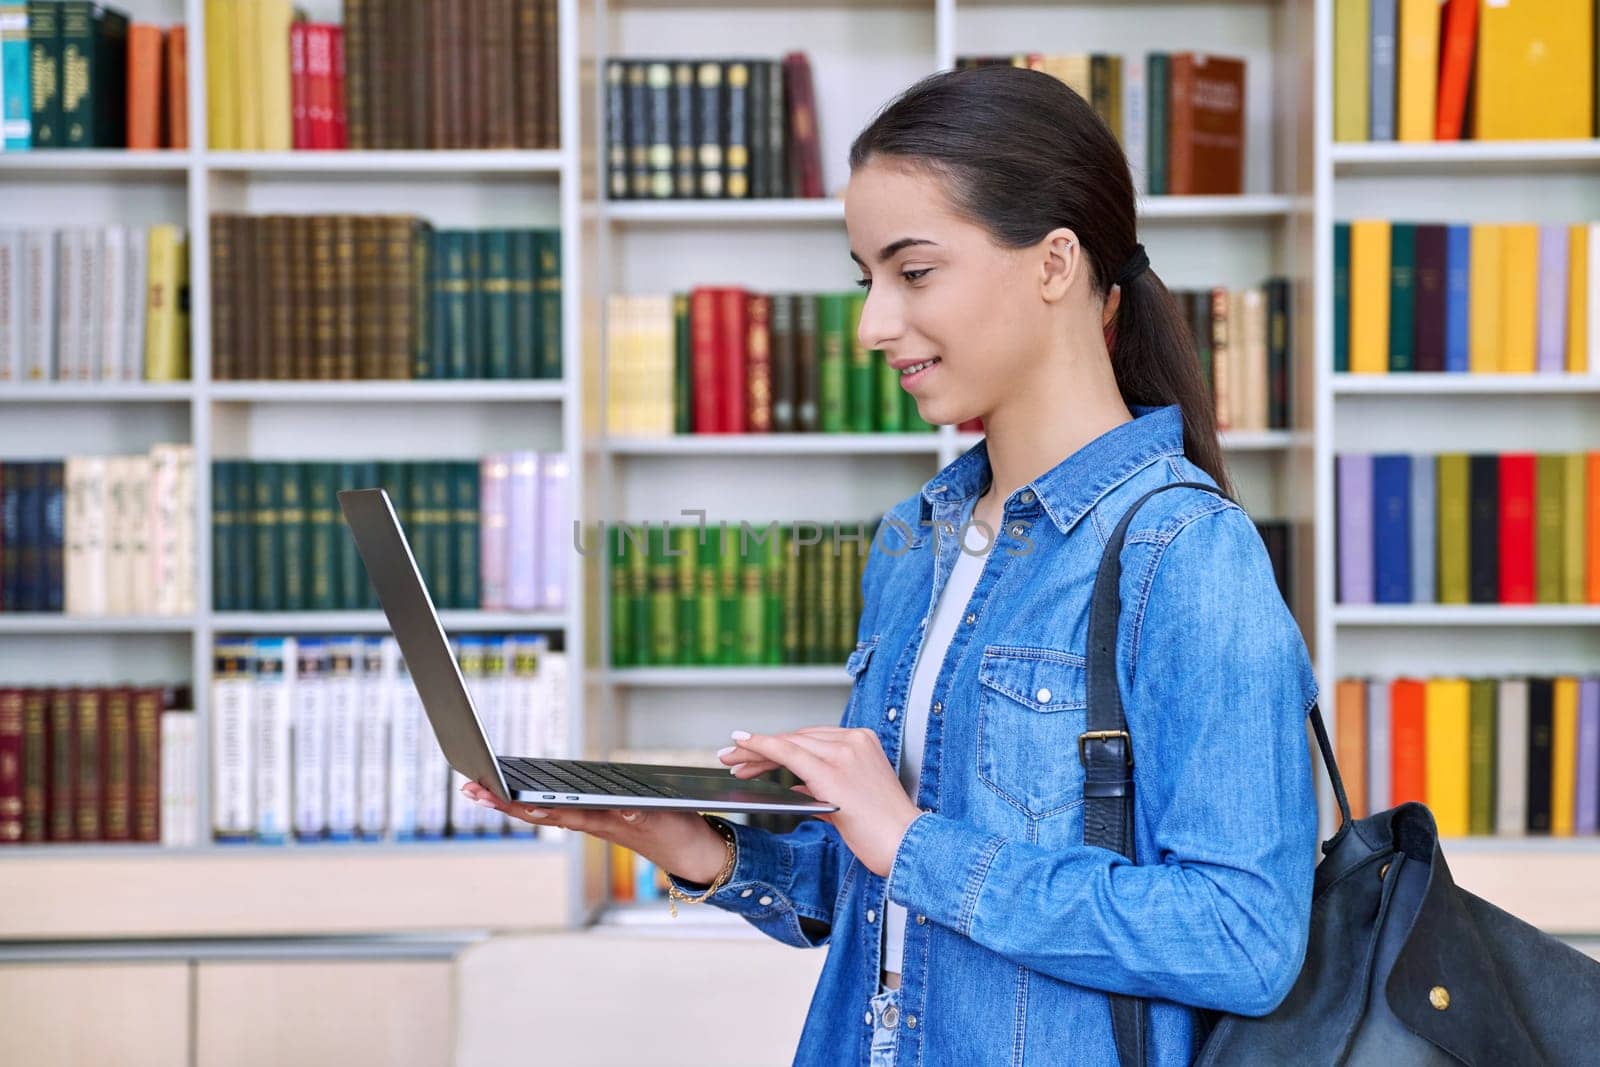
(179, 779)
(1511, 758)
(274, 711)
(165, 517)
(433, 782)
(84, 532)
(111, 306)
(141, 577)
(553, 533)
(93, 251)
(119, 536)
(11, 304)
(344, 734)
(465, 817)
(232, 736)
(187, 565)
(310, 741)
(405, 720)
(40, 279)
(1380, 790)
(495, 685)
(69, 302)
(558, 729)
(377, 689)
(525, 705)
(1134, 122)
(136, 288)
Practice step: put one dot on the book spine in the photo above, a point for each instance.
(552, 538)
(146, 779)
(293, 558)
(832, 315)
(532, 79)
(179, 779)
(758, 364)
(406, 724)
(63, 769)
(45, 51)
(464, 533)
(39, 285)
(522, 529)
(494, 530)
(274, 691)
(233, 739)
(1483, 473)
(266, 481)
(1355, 543)
(16, 103)
(11, 766)
(12, 302)
(712, 138)
(1551, 340)
(310, 740)
(658, 175)
(375, 713)
(1481, 757)
(300, 117)
(861, 374)
(343, 690)
(1424, 538)
(498, 303)
(551, 345)
(36, 798)
(783, 363)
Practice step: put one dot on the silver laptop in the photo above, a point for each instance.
(548, 782)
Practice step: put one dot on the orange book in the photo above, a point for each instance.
(1408, 752)
(1350, 740)
(1578, 325)
(144, 86)
(177, 87)
(1592, 530)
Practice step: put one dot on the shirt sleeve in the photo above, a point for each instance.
(1216, 695)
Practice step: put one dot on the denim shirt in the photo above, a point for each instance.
(1016, 928)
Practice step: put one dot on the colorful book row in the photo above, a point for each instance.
(487, 534)
(1479, 298)
(1243, 340)
(1459, 528)
(94, 303)
(1506, 756)
(325, 738)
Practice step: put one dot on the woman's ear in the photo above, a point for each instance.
(1061, 262)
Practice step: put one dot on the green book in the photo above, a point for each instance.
(686, 577)
(1574, 572)
(477, 320)
(707, 618)
(1341, 297)
(682, 366)
(548, 244)
(807, 347)
(395, 477)
(1549, 535)
(524, 306)
(436, 525)
(828, 600)
(663, 602)
(323, 530)
(455, 284)
(266, 479)
(1158, 84)
(728, 574)
(1453, 523)
(752, 635)
(292, 536)
(464, 528)
(793, 602)
(224, 565)
(94, 75)
(844, 640)
(44, 61)
(497, 312)
(772, 582)
(424, 365)
(861, 378)
(354, 590)
(1481, 755)
(621, 612)
(832, 314)
(636, 561)
(1402, 296)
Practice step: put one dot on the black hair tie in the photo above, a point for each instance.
(1136, 265)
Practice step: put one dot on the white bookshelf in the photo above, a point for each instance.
(306, 889)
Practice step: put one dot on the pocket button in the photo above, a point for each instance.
(1043, 696)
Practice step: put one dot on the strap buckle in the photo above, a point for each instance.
(1106, 735)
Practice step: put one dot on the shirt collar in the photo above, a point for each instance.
(1069, 489)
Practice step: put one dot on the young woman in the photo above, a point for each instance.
(992, 217)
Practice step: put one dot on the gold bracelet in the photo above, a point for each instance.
(674, 894)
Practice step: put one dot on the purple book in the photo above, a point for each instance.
(522, 531)
(1355, 527)
(494, 504)
(555, 518)
(1552, 299)
(1588, 817)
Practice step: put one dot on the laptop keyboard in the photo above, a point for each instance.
(569, 777)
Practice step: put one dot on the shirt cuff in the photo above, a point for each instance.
(762, 863)
(939, 869)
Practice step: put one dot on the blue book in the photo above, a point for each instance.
(1458, 247)
(1341, 297)
(1391, 528)
(16, 120)
(1354, 507)
(10, 536)
(1424, 539)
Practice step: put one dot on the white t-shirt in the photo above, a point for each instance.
(930, 659)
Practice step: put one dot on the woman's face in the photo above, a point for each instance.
(942, 292)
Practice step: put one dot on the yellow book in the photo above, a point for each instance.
(161, 301)
(177, 368)
(222, 90)
(1519, 307)
(1485, 333)
(1074, 70)
(1447, 748)
(1352, 27)
(1564, 757)
(1535, 70)
(616, 380)
(1578, 325)
(1369, 296)
(272, 61)
(658, 341)
(1419, 68)
(1574, 498)
(246, 71)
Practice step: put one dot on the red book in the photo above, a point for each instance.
(703, 360)
(116, 782)
(319, 84)
(177, 82)
(758, 376)
(805, 153)
(1517, 527)
(144, 86)
(341, 136)
(1455, 68)
(733, 350)
(1408, 753)
(89, 726)
(147, 707)
(298, 114)
(10, 766)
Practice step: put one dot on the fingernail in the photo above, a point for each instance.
(538, 813)
(725, 751)
(740, 735)
(482, 803)
(630, 816)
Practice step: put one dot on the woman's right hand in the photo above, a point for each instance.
(679, 842)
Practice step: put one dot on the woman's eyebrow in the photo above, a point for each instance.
(894, 246)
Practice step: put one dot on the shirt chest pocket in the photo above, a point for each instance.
(856, 667)
(1032, 703)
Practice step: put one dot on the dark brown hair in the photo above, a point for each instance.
(1022, 154)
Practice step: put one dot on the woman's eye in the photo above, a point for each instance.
(865, 283)
(914, 275)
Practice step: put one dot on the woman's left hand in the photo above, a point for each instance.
(843, 767)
